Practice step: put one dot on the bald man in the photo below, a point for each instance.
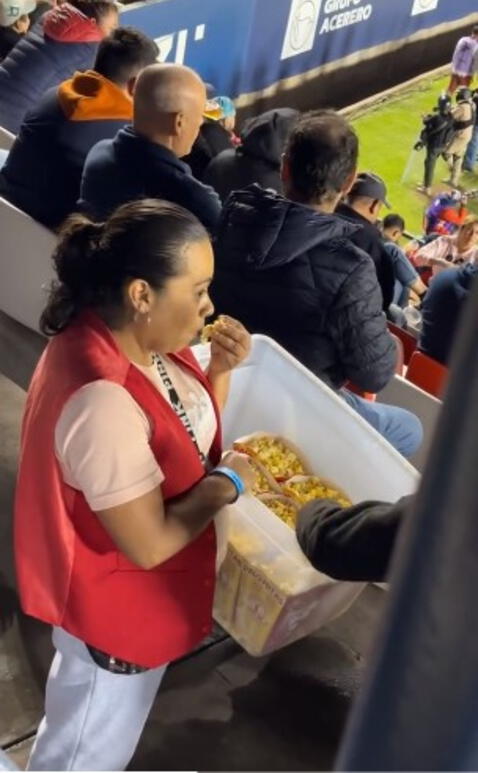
(144, 160)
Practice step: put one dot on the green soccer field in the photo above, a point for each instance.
(387, 135)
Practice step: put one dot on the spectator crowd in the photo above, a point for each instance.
(169, 211)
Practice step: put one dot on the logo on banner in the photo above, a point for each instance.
(422, 6)
(301, 27)
(176, 44)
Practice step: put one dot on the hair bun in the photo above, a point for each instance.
(77, 253)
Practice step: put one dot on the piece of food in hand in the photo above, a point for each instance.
(304, 489)
(279, 459)
(207, 333)
(208, 330)
(284, 508)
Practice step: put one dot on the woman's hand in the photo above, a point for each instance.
(241, 464)
(230, 345)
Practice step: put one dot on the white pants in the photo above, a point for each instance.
(93, 718)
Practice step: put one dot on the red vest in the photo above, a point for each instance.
(70, 573)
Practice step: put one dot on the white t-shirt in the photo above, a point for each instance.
(102, 437)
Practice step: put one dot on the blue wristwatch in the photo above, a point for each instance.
(233, 477)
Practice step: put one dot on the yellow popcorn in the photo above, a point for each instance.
(263, 484)
(277, 458)
(312, 487)
(285, 511)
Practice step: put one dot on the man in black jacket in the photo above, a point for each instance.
(351, 543)
(288, 269)
(144, 160)
(364, 203)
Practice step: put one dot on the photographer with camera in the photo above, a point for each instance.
(437, 134)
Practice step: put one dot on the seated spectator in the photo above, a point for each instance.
(351, 543)
(43, 173)
(409, 288)
(215, 135)
(461, 247)
(257, 159)
(447, 212)
(143, 160)
(65, 40)
(442, 310)
(363, 206)
(286, 267)
(14, 23)
(41, 8)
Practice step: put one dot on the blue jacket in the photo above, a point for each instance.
(442, 310)
(63, 41)
(43, 172)
(130, 167)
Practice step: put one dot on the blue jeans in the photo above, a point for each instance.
(471, 151)
(401, 428)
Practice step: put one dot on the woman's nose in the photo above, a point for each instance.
(209, 310)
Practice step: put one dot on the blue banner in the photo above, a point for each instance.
(248, 45)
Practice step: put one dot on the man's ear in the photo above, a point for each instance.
(177, 124)
(285, 169)
(131, 85)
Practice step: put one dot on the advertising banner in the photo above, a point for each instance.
(248, 45)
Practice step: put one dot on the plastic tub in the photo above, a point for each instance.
(268, 595)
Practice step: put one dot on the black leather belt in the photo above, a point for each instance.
(114, 665)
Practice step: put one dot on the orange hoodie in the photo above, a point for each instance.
(89, 96)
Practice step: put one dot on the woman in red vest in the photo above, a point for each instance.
(121, 476)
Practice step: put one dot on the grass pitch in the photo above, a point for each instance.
(387, 134)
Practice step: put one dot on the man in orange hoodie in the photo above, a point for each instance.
(43, 171)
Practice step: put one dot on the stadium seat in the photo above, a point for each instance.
(25, 265)
(404, 394)
(428, 374)
(6, 139)
(409, 342)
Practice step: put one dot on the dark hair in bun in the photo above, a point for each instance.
(93, 261)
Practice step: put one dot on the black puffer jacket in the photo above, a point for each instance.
(257, 159)
(213, 139)
(292, 273)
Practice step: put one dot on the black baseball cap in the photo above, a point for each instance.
(372, 186)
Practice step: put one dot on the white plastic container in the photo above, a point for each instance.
(268, 595)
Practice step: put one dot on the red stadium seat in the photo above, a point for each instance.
(409, 342)
(428, 374)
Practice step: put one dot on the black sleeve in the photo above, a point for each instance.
(358, 327)
(350, 543)
(370, 241)
(203, 202)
